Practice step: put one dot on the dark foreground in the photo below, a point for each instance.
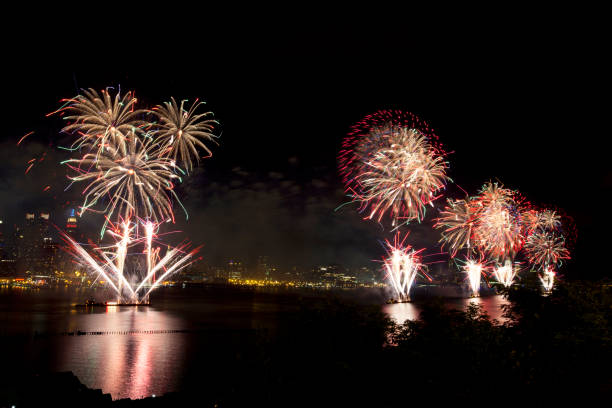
(334, 352)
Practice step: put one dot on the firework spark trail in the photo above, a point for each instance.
(546, 249)
(547, 278)
(458, 220)
(129, 167)
(506, 273)
(79, 252)
(545, 246)
(393, 170)
(170, 256)
(360, 137)
(121, 278)
(474, 271)
(178, 265)
(134, 181)
(101, 121)
(402, 266)
(181, 132)
(122, 248)
(149, 231)
(23, 137)
(546, 220)
(113, 259)
(402, 177)
(498, 230)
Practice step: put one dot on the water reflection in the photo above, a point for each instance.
(138, 365)
(492, 305)
(125, 365)
(400, 312)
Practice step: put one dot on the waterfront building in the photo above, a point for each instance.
(235, 270)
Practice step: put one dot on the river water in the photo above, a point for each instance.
(138, 355)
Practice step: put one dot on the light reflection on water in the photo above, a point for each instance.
(139, 365)
(492, 305)
(125, 365)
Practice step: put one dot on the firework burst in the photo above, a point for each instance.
(458, 220)
(498, 231)
(474, 271)
(110, 263)
(506, 273)
(138, 183)
(402, 265)
(547, 278)
(546, 220)
(393, 169)
(545, 249)
(181, 132)
(129, 168)
(361, 136)
(101, 121)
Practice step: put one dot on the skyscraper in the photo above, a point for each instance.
(35, 248)
(262, 271)
(71, 223)
(235, 269)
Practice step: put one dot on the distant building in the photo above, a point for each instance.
(335, 275)
(295, 274)
(235, 270)
(219, 273)
(2, 242)
(7, 253)
(72, 223)
(265, 270)
(262, 270)
(35, 251)
(366, 275)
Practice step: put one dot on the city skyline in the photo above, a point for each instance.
(274, 174)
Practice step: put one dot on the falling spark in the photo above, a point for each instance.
(23, 137)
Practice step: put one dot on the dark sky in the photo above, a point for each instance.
(518, 102)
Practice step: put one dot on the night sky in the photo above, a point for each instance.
(514, 103)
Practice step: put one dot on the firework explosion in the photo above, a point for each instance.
(137, 183)
(129, 168)
(392, 164)
(457, 219)
(180, 131)
(506, 273)
(498, 230)
(547, 278)
(546, 249)
(541, 220)
(402, 265)
(109, 263)
(545, 246)
(489, 224)
(101, 121)
(474, 271)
